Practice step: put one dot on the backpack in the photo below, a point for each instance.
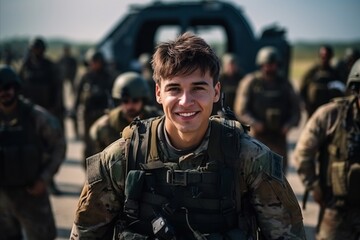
(344, 156)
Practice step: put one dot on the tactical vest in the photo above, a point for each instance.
(20, 153)
(182, 198)
(270, 105)
(344, 156)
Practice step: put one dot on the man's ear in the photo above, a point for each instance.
(157, 92)
(217, 89)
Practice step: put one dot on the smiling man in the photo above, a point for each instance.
(186, 175)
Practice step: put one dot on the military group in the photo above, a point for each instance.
(167, 157)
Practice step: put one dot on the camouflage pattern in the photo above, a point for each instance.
(335, 222)
(102, 198)
(273, 104)
(108, 128)
(17, 205)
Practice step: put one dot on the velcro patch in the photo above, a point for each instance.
(276, 166)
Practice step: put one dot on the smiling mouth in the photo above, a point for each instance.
(187, 114)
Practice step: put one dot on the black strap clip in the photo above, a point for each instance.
(177, 177)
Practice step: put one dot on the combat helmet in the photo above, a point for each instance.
(130, 85)
(267, 55)
(353, 82)
(8, 77)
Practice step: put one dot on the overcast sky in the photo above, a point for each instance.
(91, 20)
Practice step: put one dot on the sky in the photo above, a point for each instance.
(91, 20)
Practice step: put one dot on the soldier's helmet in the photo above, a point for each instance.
(8, 77)
(353, 81)
(130, 85)
(268, 55)
(37, 43)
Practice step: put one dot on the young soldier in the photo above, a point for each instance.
(185, 175)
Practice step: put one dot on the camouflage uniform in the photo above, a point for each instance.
(337, 220)
(108, 128)
(274, 104)
(102, 199)
(18, 208)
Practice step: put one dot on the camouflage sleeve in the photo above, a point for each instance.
(311, 140)
(101, 200)
(53, 141)
(277, 210)
(243, 99)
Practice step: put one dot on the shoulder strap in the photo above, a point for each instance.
(140, 137)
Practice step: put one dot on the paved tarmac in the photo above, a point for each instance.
(70, 179)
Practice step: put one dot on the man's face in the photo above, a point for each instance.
(7, 95)
(131, 107)
(325, 56)
(270, 69)
(187, 102)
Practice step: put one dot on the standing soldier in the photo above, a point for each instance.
(32, 147)
(331, 140)
(321, 82)
(343, 66)
(130, 94)
(93, 96)
(186, 175)
(268, 103)
(230, 77)
(42, 85)
(68, 67)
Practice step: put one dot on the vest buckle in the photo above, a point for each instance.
(177, 177)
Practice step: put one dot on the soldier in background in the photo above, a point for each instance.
(147, 74)
(343, 66)
(68, 67)
(32, 148)
(230, 77)
(321, 82)
(93, 97)
(328, 160)
(42, 84)
(130, 93)
(186, 175)
(268, 103)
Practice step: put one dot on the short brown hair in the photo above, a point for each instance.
(183, 56)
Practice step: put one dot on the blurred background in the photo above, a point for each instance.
(300, 26)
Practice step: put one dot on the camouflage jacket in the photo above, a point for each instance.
(107, 128)
(315, 139)
(275, 204)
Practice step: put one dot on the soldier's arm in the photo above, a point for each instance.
(54, 142)
(277, 210)
(101, 200)
(310, 142)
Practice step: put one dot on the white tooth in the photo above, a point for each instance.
(187, 114)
